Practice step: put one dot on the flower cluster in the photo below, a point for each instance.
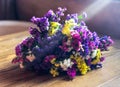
(61, 46)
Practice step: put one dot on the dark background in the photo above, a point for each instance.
(106, 21)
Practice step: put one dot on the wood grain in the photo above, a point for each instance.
(12, 76)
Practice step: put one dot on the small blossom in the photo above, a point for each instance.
(93, 53)
(54, 72)
(67, 63)
(18, 50)
(54, 26)
(71, 73)
(69, 25)
(49, 58)
(97, 58)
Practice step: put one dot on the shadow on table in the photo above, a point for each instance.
(14, 76)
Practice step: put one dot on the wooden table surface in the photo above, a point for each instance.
(12, 76)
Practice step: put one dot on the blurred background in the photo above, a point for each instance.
(103, 15)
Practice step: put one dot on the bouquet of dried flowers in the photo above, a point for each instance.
(61, 46)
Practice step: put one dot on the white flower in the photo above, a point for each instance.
(93, 53)
(67, 63)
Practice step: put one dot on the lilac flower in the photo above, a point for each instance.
(105, 42)
(34, 32)
(28, 42)
(78, 28)
(60, 11)
(83, 33)
(42, 23)
(51, 16)
(72, 16)
(55, 16)
(92, 45)
(95, 38)
(82, 23)
(86, 50)
(102, 59)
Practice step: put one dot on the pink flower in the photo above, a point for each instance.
(76, 40)
(18, 50)
(76, 44)
(75, 35)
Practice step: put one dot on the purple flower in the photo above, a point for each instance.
(64, 46)
(55, 16)
(51, 15)
(78, 29)
(82, 23)
(92, 45)
(88, 61)
(86, 50)
(83, 33)
(34, 32)
(72, 16)
(71, 73)
(28, 42)
(42, 23)
(49, 58)
(60, 11)
(102, 59)
(105, 42)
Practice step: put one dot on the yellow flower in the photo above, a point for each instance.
(78, 59)
(56, 64)
(81, 65)
(53, 61)
(54, 72)
(97, 58)
(83, 68)
(67, 27)
(54, 26)
(66, 30)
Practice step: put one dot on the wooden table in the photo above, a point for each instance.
(12, 76)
